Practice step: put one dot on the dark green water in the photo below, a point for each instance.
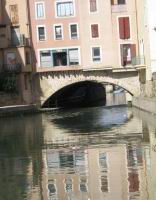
(86, 154)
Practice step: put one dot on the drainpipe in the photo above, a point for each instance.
(136, 15)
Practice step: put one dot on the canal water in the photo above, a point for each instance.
(80, 154)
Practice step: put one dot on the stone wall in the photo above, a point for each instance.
(148, 89)
(10, 99)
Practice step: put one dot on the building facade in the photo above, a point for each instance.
(78, 34)
(15, 52)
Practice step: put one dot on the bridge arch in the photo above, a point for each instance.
(50, 83)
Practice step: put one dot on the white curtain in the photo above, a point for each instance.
(65, 9)
(40, 10)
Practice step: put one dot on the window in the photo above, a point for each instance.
(45, 59)
(41, 33)
(60, 57)
(118, 2)
(73, 31)
(65, 9)
(15, 36)
(27, 57)
(124, 28)
(68, 185)
(94, 31)
(40, 10)
(93, 5)
(96, 57)
(14, 14)
(128, 53)
(58, 32)
(73, 57)
(11, 58)
(83, 184)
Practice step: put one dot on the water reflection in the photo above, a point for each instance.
(92, 154)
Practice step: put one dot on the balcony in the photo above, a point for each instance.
(138, 61)
(19, 41)
(11, 68)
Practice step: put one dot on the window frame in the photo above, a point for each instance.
(43, 3)
(54, 26)
(70, 33)
(93, 12)
(59, 48)
(98, 25)
(118, 30)
(118, 3)
(37, 28)
(99, 61)
(64, 1)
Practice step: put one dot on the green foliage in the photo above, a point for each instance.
(8, 83)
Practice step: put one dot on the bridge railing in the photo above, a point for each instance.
(138, 60)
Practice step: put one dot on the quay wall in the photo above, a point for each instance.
(147, 100)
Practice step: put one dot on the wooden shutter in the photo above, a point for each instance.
(122, 54)
(133, 51)
(94, 30)
(121, 28)
(93, 6)
(124, 28)
(14, 14)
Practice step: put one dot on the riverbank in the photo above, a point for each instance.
(145, 103)
(9, 111)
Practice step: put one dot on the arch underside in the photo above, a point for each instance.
(50, 85)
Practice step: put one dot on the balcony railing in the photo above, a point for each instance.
(20, 41)
(138, 60)
(11, 68)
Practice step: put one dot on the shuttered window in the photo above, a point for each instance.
(124, 28)
(93, 5)
(14, 14)
(94, 31)
(73, 57)
(117, 2)
(128, 52)
(40, 10)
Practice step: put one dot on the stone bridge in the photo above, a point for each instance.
(51, 82)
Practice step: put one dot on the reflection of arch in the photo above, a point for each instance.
(52, 83)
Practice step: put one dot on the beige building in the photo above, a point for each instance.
(79, 34)
(15, 51)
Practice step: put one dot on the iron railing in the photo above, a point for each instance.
(11, 68)
(138, 60)
(20, 41)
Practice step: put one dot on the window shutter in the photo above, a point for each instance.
(94, 29)
(121, 28)
(122, 54)
(93, 6)
(126, 27)
(14, 14)
(133, 50)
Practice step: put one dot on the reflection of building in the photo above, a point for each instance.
(15, 52)
(96, 173)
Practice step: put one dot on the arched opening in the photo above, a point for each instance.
(81, 94)
(89, 94)
(117, 95)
